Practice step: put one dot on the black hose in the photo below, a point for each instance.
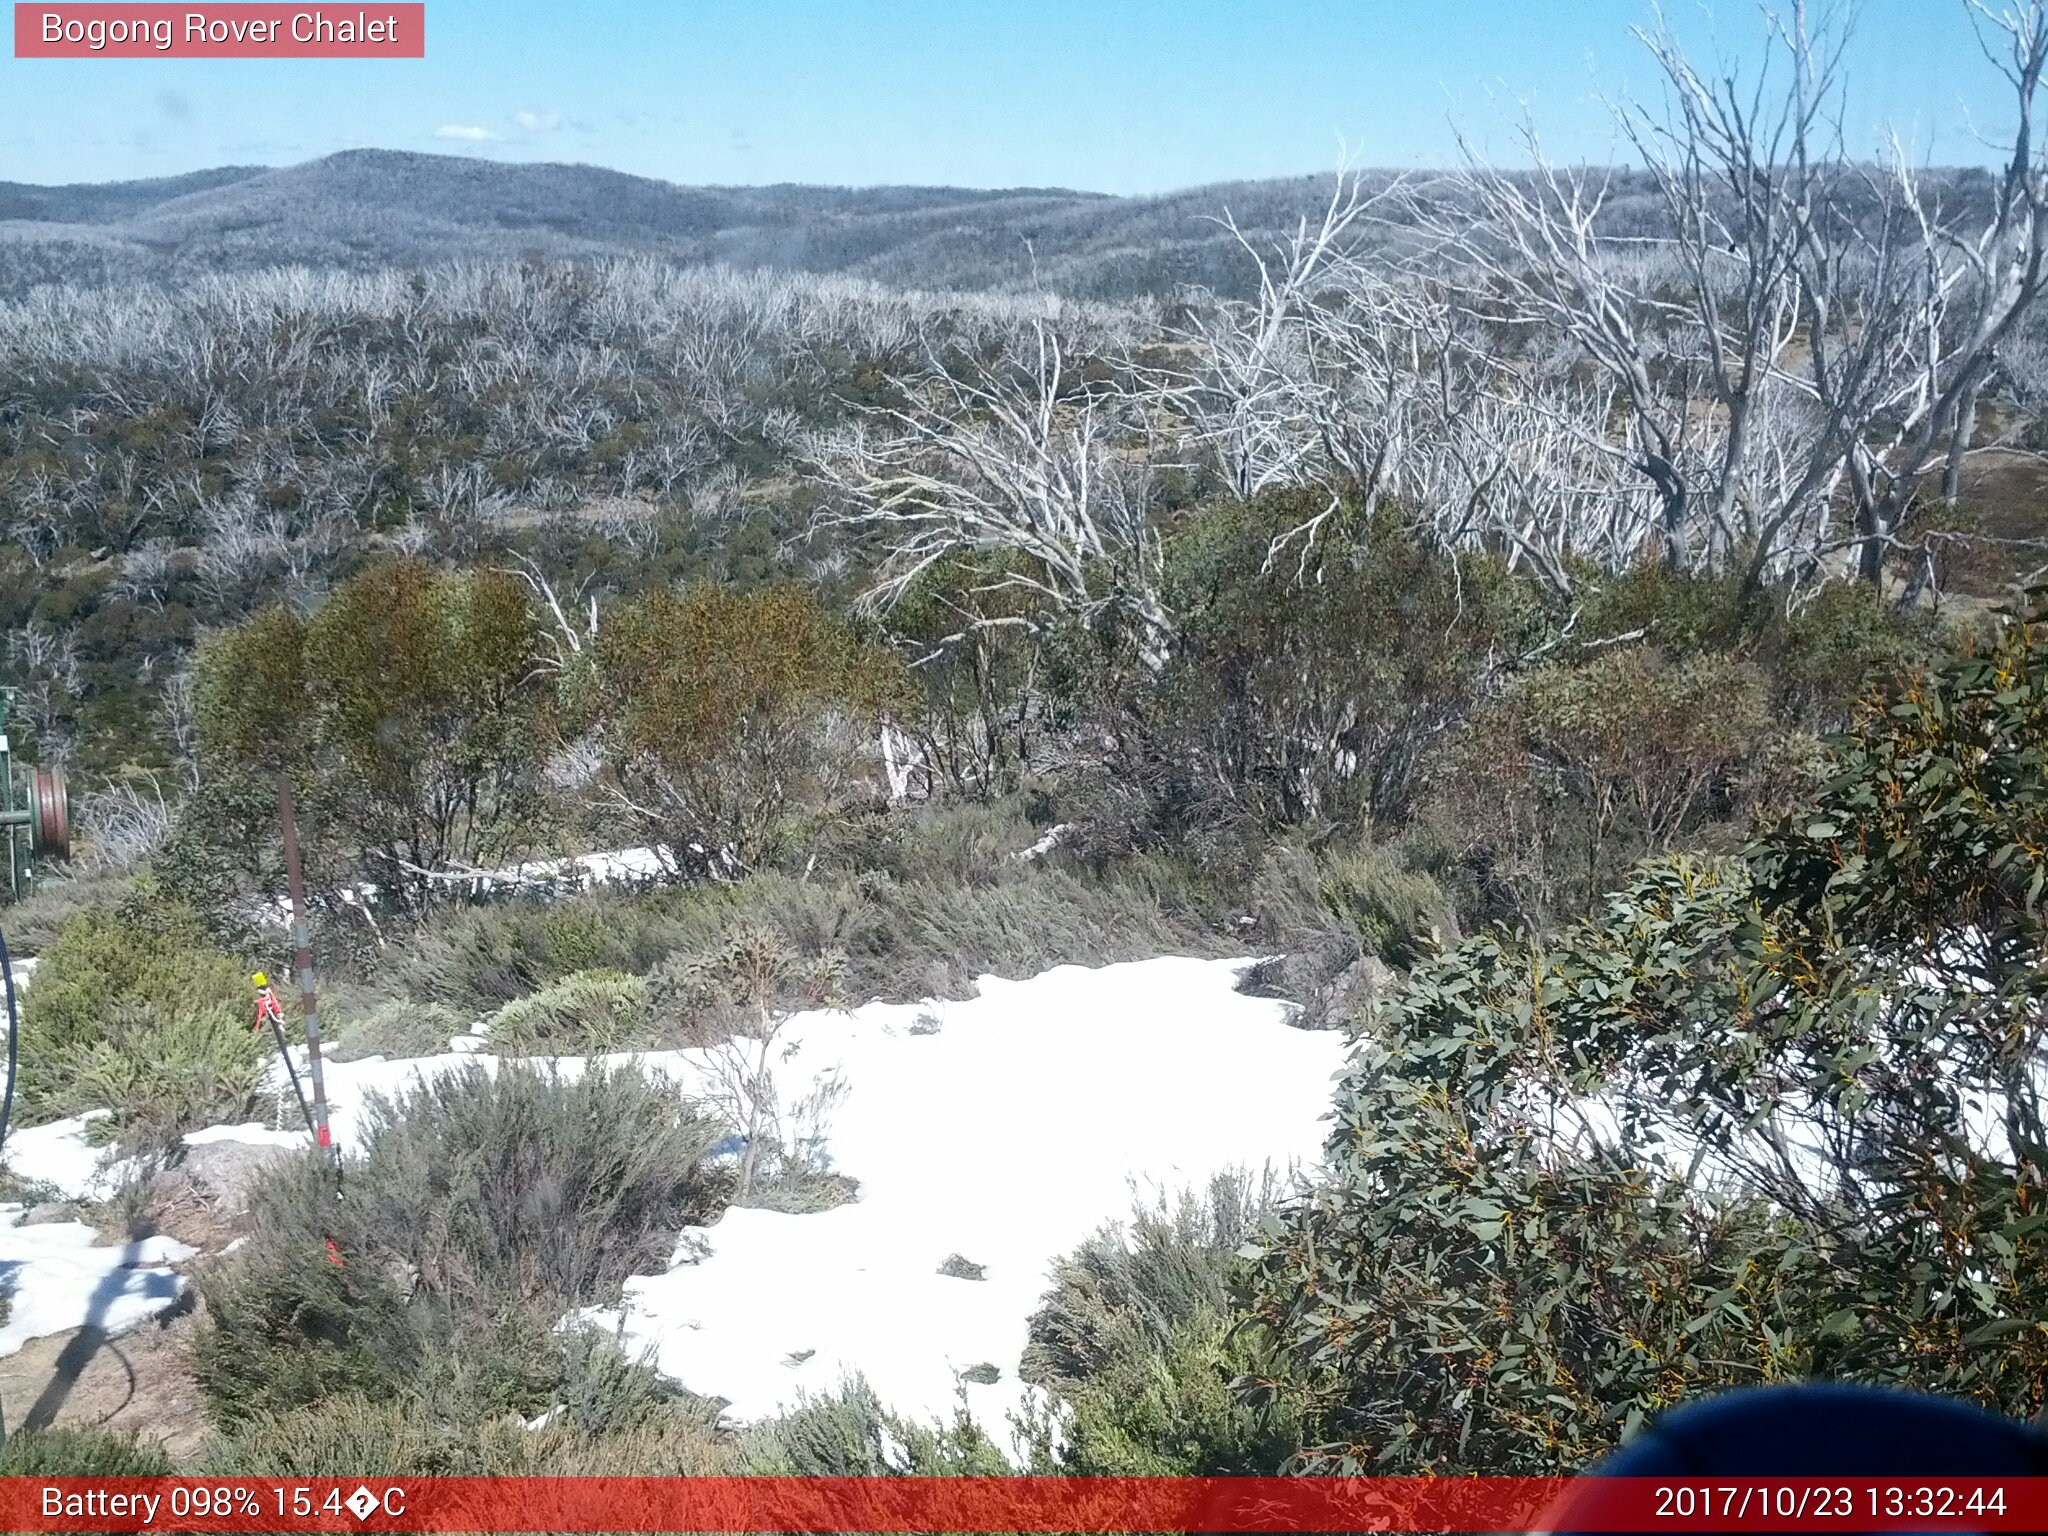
(285, 1051)
(306, 1109)
(13, 1040)
(7, 1101)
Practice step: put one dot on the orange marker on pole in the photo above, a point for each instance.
(268, 1008)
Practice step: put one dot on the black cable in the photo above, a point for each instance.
(7, 1102)
(284, 1050)
(13, 1040)
(305, 1108)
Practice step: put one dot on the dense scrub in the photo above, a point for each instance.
(1476, 1253)
(1557, 1202)
(79, 1453)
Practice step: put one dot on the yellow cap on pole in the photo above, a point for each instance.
(260, 979)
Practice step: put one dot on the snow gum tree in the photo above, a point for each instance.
(407, 708)
(727, 714)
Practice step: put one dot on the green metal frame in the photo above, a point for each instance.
(16, 821)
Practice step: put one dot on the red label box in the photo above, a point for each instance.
(370, 30)
(1079, 1506)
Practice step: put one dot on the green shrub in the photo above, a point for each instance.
(981, 638)
(1490, 1279)
(1139, 1345)
(395, 1028)
(735, 717)
(584, 1014)
(1683, 613)
(578, 936)
(1333, 923)
(1847, 640)
(852, 1434)
(78, 1452)
(1395, 910)
(797, 1189)
(356, 1436)
(285, 1327)
(1307, 684)
(34, 922)
(906, 939)
(680, 1443)
(133, 1010)
(484, 1207)
(479, 959)
(1843, 638)
(408, 706)
(1578, 770)
(960, 842)
(1503, 1307)
(903, 938)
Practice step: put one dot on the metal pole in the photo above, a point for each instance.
(302, 945)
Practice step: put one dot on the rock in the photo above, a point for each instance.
(1329, 989)
(49, 1210)
(203, 1197)
(954, 1267)
(1365, 980)
(225, 1172)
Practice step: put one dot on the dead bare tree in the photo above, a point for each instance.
(1255, 397)
(42, 661)
(1732, 161)
(748, 990)
(1832, 329)
(1367, 377)
(1955, 295)
(124, 822)
(569, 627)
(1013, 460)
(1533, 242)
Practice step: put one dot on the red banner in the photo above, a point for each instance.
(111, 31)
(1021, 1504)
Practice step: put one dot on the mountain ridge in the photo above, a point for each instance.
(377, 208)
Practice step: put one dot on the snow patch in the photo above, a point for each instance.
(59, 1154)
(251, 1134)
(1041, 1111)
(59, 1275)
(1045, 844)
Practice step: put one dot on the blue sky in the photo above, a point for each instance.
(1106, 95)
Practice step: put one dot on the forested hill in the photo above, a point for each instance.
(377, 208)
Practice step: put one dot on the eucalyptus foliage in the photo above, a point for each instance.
(1763, 1117)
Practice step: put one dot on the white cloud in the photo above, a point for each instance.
(537, 122)
(463, 131)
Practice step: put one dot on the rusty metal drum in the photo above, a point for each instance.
(50, 813)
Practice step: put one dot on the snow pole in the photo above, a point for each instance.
(302, 951)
